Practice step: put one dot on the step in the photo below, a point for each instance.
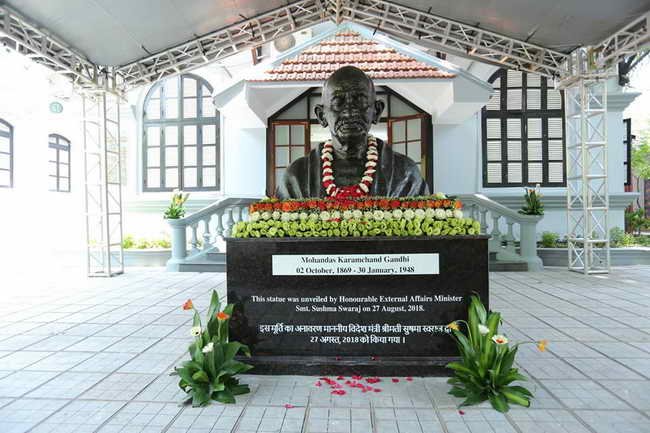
(507, 266)
(202, 266)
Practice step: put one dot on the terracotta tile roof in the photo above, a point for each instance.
(349, 48)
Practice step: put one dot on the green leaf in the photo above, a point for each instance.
(215, 304)
(516, 397)
(224, 396)
(200, 396)
(473, 398)
(508, 359)
(499, 402)
(186, 376)
(519, 389)
(479, 308)
(201, 376)
(239, 389)
(493, 323)
(457, 391)
(456, 366)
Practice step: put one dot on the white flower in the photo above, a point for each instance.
(276, 215)
(388, 215)
(208, 348)
(409, 214)
(347, 214)
(441, 214)
(440, 196)
(254, 216)
(325, 216)
(266, 215)
(195, 331)
(303, 216)
(364, 187)
(378, 215)
(286, 216)
(357, 214)
(313, 216)
(449, 213)
(336, 215)
(368, 215)
(482, 329)
(397, 214)
(458, 213)
(293, 216)
(430, 213)
(500, 339)
(419, 213)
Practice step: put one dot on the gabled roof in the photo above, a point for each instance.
(379, 61)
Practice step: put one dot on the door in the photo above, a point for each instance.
(289, 141)
(407, 135)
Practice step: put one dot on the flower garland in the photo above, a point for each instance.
(360, 189)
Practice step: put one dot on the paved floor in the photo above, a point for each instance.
(85, 355)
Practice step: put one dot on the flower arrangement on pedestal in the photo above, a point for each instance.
(176, 208)
(533, 200)
(353, 217)
(485, 370)
(210, 374)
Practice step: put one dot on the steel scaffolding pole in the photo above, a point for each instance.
(587, 186)
(103, 182)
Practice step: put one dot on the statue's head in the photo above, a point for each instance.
(349, 107)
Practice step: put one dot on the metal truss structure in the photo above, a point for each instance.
(27, 38)
(103, 178)
(587, 186)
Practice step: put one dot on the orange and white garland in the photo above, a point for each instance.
(360, 189)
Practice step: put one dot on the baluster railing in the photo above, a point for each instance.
(226, 212)
(527, 225)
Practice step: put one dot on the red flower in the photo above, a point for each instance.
(461, 412)
(394, 204)
(409, 379)
(376, 390)
(357, 377)
(223, 316)
(289, 406)
(340, 378)
(373, 379)
(318, 383)
(277, 206)
(188, 305)
(395, 380)
(458, 204)
(339, 392)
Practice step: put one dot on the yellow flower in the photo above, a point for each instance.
(541, 345)
(453, 325)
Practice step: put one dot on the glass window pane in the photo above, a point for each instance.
(53, 184)
(4, 178)
(555, 172)
(189, 87)
(534, 128)
(209, 155)
(493, 128)
(414, 151)
(189, 178)
(52, 154)
(64, 184)
(297, 152)
(281, 156)
(153, 136)
(209, 176)
(189, 156)
(534, 150)
(153, 157)
(535, 174)
(555, 148)
(399, 148)
(5, 161)
(153, 178)
(4, 144)
(514, 150)
(153, 109)
(209, 134)
(189, 108)
(279, 172)
(555, 127)
(399, 131)
(533, 80)
(171, 156)
(281, 135)
(514, 172)
(171, 108)
(534, 99)
(514, 128)
(495, 101)
(298, 134)
(171, 178)
(189, 134)
(4, 127)
(205, 91)
(53, 168)
(171, 135)
(494, 150)
(207, 108)
(494, 173)
(553, 100)
(514, 99)
(514, 78)
(414, 129)
(171, 87)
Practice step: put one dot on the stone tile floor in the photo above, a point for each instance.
(93, 355)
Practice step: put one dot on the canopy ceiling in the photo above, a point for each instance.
(116, 32)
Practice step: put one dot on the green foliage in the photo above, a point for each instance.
(641, 155)
(533, 204)
(637, 221)
(485, 371)
(211, 372)
(425, 226)
(129, 242)
(176, 208)
(549, 239)
(618, 238)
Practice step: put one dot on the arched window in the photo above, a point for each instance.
(181, 136)
(523, 132)
(6, 154)
(59, 170)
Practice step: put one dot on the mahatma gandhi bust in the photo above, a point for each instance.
(353, 163)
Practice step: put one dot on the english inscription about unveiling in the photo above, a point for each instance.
(355, 264)
(364, 331)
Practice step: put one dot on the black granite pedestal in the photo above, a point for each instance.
(373, 306)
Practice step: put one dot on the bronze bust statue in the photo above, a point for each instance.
(352, 163)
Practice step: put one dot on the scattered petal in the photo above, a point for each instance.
(340, 378)
(373, 358)
(318, 383)
(373, 379)
(357, 377)
(461, 412)
(409, 379)
(338, 358)
(289, 406)
(395, 380)
(376, 390)
(339, 392)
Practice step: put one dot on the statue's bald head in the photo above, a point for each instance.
(349, 106)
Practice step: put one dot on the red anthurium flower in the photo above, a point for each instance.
(357, 377)
(289, 406)
(188, 305)
(223, 316)
(339, 392)
(373, 379)
(395, 380)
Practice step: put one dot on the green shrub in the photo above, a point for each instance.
(533, 202)
(128, 242)
(550, 239)
(618, 238)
